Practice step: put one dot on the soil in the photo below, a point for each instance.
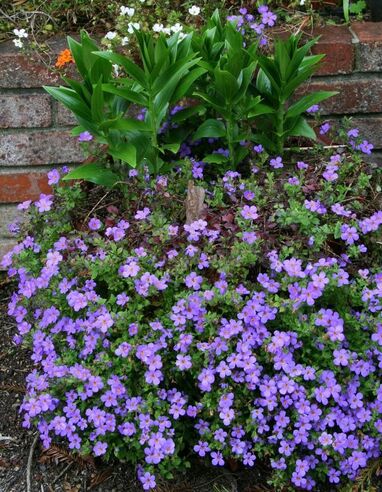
(57, 470)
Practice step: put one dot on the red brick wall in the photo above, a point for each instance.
(34, 130)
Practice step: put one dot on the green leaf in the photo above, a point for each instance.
(130, 67)
(345, 6)
(127, 154)
(97, 102)
(302, 129)
(226, 84)
(127, 124)
(307, 101)
(186, 113)
(186, 85)
(215, 159)
(95, 173)
(77, 53)
(71, 100)
(260, 109)
(172, 147)
(210, 129)
(130, 95)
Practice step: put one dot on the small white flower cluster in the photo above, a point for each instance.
(129, 11)
(170, 29)
(20, 33)
(194, 10)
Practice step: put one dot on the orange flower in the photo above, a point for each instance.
(63, 58)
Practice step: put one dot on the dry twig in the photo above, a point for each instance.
(30, 461)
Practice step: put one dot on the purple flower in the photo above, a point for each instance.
(349, 234)
(249, 237)
(313, 109)
(258, 149)
(85, 137)
(276, 163)
(24, 205)
(148, 481)
(53, 177)
(193, 281)
(249, 212)
(365, 147)
(324, 128)
(130, 269)
(100, 448)
(94, 224)
(44, 204)
(142, 214)
(217, 458)
(201, 448)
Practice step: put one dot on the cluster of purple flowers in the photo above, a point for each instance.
(143, 342)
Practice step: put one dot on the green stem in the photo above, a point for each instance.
(280, 129)
(154, 134)
(231, 147)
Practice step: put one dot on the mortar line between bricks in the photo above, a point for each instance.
(349, 77)
(17, 91)
(42, 169)
(16, 131)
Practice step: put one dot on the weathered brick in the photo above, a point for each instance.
(370, 129)
(355, 95)
(20, 70)
(369, 47)
(336, 43)
(5, 246)
(25, 110)
(18, 187)
(38, 148)
(8, 215)
(64, 116)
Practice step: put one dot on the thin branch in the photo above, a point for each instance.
(29, 464)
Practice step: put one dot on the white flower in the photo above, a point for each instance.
(110, 35)
(116, 69)
(131, 26)
(167, 31)
(130, 11)
(158, 27)
(182, 35)
(124, 41)
(20, 33)
(194, 10)
(18, 43)
(176, 27)
(302, 2)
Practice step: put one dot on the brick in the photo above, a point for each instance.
(369, 47)
(8, 214)
(19, 70)
(39, 148)
(17, 187)
(336, 43)
(5, 246)
(25, 110)
(368, 32)
(370, 129)
(356, 95)
(64, 116)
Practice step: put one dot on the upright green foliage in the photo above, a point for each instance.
(166, 75)
(277, 81)
(242, 96)
(226, 90)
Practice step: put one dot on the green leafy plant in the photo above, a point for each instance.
(227, 92)
(277, 81)
(238, 96)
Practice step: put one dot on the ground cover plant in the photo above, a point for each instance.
(217, 294)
